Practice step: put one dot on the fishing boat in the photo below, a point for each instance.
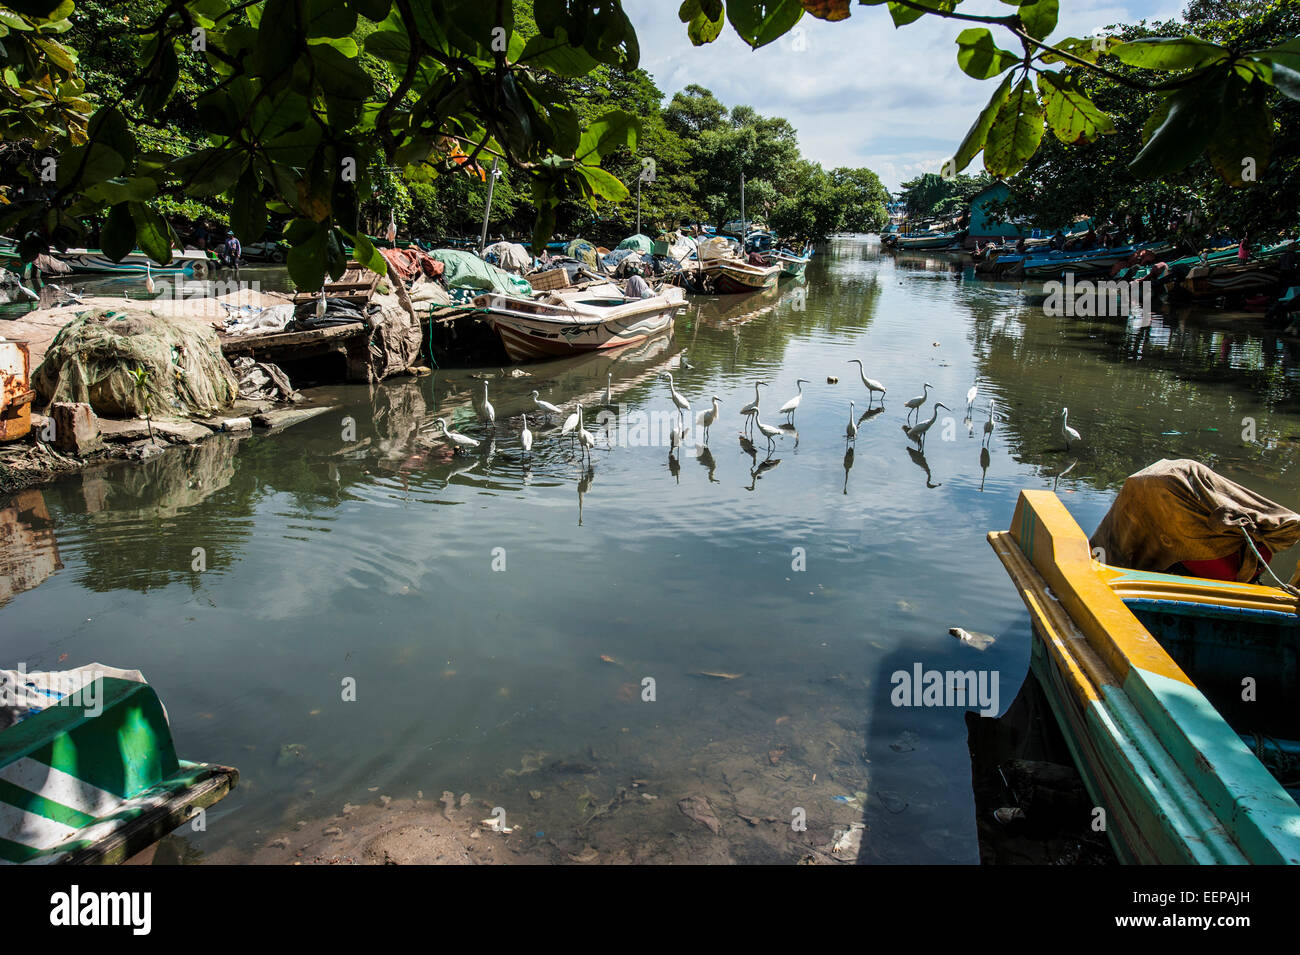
(569, 321)
(790, 263)
(927, 240)
(94, 777)
(734, 276)
(1111, 650)
(1055, 263)
(93, 260)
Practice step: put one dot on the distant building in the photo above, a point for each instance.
(984, 227)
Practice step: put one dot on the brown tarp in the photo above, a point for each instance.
(1181, 510)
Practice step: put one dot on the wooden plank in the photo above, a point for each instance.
(237, 345)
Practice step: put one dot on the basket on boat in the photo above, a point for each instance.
(546, 281)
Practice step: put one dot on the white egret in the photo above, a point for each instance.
(489, 412)
(970, 396)
(752, 408)
(456, 438)
(988, 425)
(571, 422)
(917, 431)
(526, 437)
(767, 431)
(148, 278)
(791, 406)
(585, 437)
(706, 418)
(872, 385)
(546, 405)
(684, 364)
(912, 404)
(30, 294)
(609, 389)
(851, 429)
(679, 399)
(1068, 433)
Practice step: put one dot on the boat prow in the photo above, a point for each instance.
(1176, 782)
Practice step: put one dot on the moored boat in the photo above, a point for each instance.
(93, 777)
(1176, 782)
(565, 322)
(790, 263)
(927, 240)
(93, 260)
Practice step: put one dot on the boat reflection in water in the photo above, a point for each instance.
(28, 551)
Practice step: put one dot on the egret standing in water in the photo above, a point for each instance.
(706, 418)
(148, 278)
(912, 404)
(970, 398)
(584, 436)
(458, 440)
(526, 437)
(546, 406)
(609, 389)
(1068, 433)
(851, 429)
(679, 399)
(767, 431)
(570, 425)
(751, 410)
(988, 425)
(489, 412)
(917, 431)
(790, 407)
(872, 385)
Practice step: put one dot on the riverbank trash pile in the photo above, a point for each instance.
(127, 361)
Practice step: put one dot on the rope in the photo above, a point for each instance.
(1267, 569)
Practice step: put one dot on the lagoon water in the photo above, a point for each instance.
(499, 614)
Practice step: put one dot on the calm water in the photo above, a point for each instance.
(371, 556)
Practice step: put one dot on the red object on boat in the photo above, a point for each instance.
(1222, 568)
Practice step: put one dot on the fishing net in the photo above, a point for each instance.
(94, 359)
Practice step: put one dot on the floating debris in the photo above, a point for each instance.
(973, 638)
(718, 675)
(698, 808)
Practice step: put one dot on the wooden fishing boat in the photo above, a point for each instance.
(93, 260)
(1176, 782)
(791, 264)
(734, 276)
(569, 321)
(1055, 263)
(926, 240)
(95, 778)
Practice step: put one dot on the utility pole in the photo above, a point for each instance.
(487, 211)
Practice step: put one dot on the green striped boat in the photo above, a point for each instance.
(94, 778)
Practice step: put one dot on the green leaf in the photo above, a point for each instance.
(606, 134)
(759, 22)
(134, 188)
(978, 133)
(603, 184)
(88, 164)
(1074, 118)
(1088, 49)
(979, 56)
(557, 55)
(117, 237)
(1284, 64)
(903, 15)
(1016, 132)
(702, 26)
(1180, 129)
(1169, 53)
(328, 18)
(1039, 17)
(248, 212)
(1241, 148)
(364, 251)
(152, 233)
(306, 258)
(389, 45)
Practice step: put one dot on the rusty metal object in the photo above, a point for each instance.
(16, 392)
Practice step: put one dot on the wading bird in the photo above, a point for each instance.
(912, 404)
(767, 431)
(706, 418)
(457, 439)
(872, 385)
(988, 425)
(970, 397)
(609, 389)
(584, 436)
(546, 405)
(148, 278)
(571, 422)
(918, 430)
(679, 399)
(790, 407)
(489, 412)
(851, 429)
(684, 364)
(526, 437)
(1068, 433)
(751, 409)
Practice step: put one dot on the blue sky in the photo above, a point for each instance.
(859, 92)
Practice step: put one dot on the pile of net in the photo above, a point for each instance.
(98, 356)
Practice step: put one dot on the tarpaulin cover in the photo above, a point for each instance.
(638, 242)
(511, 256)
(24, 694)
(466, 270)
(94, 358)
(410, 262)
(1176, 511)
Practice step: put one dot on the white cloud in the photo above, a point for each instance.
(859, 92)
